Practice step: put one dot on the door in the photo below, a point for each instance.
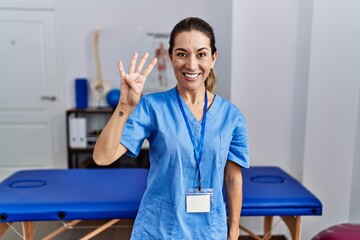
(28, 92)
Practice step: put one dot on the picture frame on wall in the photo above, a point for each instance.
(162, 77)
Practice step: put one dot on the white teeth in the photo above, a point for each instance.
(188, 75)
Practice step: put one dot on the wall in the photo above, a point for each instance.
(295, 75)
(220, 16)
(265, 58)
(303, 42)
(332, 117)
(355, 187)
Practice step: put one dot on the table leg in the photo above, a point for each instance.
(28, 230)
(294, 224)
(61, 229)
(251, 234)
(100, 229)
(3, 228)
(267, 227)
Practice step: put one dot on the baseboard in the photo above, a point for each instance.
(273, 237)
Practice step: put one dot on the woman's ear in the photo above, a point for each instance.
(171, 60)
(214, 57)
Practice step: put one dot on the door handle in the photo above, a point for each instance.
(48, 98)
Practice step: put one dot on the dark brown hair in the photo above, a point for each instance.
(197, 24)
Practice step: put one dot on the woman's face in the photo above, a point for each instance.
(192, 59)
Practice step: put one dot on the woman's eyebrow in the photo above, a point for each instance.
(184, 50)
(180, 49)
(203, 48)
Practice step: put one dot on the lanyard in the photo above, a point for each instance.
(197, 149)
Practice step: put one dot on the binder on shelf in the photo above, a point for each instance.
(77, 132)
(82, 141)
(72, 132)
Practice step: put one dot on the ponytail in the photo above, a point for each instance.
(211, 81)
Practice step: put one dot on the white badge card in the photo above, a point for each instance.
(199, 201)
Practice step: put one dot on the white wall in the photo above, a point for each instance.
(333, 99)
(300, 87)
(295, 75)
(265, 39)
(355, 189)
(220, 16)
(264, 44)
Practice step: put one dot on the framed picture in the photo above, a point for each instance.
(162, 77)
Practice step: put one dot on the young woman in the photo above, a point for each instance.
(197, 142)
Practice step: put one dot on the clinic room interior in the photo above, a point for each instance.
(291, 67)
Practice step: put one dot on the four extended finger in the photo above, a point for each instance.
(150, 67)
(121, 69)
(133, 63)
(142, 62)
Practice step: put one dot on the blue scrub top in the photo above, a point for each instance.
(173, 169)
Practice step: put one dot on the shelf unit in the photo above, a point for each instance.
(82, 157)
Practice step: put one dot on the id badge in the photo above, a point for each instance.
(199, 201)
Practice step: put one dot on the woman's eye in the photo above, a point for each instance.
(181, 54)
(201, 55)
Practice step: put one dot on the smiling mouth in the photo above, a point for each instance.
(192, 75)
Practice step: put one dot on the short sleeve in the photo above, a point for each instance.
(239, 151)
(136, 129)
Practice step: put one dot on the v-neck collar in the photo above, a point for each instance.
(209, 114)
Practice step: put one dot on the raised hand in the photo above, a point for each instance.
(132, 83)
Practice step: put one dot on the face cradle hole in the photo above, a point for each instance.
(28, 184)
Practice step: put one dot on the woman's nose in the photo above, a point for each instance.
(192, 63)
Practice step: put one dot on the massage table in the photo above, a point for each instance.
(93, 194)
(270, 191)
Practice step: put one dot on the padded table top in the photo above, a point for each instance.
(72, 194)
(68, 194)
(270, 191)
